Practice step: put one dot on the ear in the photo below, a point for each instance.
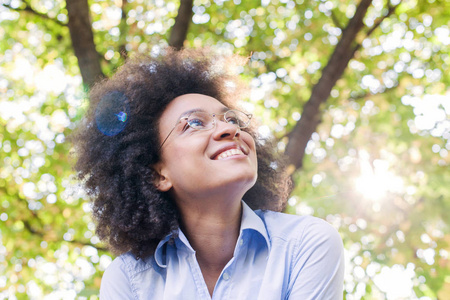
(162, 181)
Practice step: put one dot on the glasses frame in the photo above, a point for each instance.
(214, 122)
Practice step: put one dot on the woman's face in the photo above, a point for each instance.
(204, 163)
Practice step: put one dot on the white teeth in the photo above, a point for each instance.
(228, 153)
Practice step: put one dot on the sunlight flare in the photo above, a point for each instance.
(376, 180)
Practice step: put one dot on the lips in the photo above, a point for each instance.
(229, 150)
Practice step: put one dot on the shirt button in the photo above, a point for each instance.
(226, 276)
(241, 242)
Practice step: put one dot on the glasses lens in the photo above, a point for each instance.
(237, 117)
(200, 120)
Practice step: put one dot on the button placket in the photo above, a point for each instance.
(202, 289)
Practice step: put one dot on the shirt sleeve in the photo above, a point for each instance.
(318, 267)
(115, 282)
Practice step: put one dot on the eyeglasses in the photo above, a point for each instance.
(200, 120)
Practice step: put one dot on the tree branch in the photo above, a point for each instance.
(335, 20)
(300, 135)
(361, 96)
(31, 10)
(391, 10)
(123, 31)
(30, 228)
(345, 50)
(181, 26)
(83, 41)
(41, 234)
(377, 23)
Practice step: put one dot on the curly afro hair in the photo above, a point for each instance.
(116, 167)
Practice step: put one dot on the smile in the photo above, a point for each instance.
(229, 153)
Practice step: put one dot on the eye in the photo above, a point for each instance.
(233, 120)
(200, 121)
(197, 123)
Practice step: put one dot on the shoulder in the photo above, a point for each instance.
(302, 230)
(119, 269)
(119, 280)
(313, 254)
(128, 264)
(116, 280)
(118, 276)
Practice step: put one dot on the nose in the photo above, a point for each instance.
(225, 130)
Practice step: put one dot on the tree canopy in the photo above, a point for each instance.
(355, 94)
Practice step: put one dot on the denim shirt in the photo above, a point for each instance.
(277, 256)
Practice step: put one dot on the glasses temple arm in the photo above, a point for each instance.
(171, 132)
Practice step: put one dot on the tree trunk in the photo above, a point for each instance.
(181, 26)
(83, 41)
(344, 51)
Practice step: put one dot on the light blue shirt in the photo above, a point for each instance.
(277, 256)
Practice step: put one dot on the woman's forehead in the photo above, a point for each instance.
(189, 103)
(223, 109)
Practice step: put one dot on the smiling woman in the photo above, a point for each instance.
(187, 195)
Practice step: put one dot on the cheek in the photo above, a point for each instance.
(254, 154)
(249, 141)
(184, 153)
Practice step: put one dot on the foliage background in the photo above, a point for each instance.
(376, 167)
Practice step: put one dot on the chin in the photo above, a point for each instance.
(246, 183)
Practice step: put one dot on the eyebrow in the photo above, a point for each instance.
(222, 110)
(188, 112)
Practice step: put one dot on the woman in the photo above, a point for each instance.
(175, 172)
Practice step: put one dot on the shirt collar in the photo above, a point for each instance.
(250, 221)
(160, 252)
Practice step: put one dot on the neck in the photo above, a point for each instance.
(212, 229)
(212, 226)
